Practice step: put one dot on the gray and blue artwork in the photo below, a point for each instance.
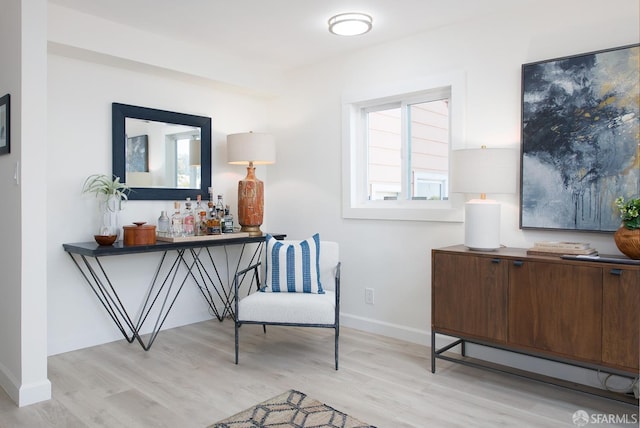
(580, 136)
(137, 154)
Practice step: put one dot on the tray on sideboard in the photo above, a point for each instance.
(604, 259)
(202, 238)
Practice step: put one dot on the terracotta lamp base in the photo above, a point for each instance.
(250, 203)
(252, 230)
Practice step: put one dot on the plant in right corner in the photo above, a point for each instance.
(627, 237)
(629, 212)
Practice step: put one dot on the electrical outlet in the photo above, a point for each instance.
(368, 296)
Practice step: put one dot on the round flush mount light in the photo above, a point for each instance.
(350, 24)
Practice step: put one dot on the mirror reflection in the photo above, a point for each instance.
(160, 154)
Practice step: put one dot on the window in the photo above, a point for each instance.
(396, 154)
(410, 161)
(183, 165)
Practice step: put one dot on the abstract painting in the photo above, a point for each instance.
(580, 136)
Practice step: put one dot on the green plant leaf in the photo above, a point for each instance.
(101, 184)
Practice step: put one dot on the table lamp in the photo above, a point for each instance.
(251, 148)
(483, 171)
(194, 151)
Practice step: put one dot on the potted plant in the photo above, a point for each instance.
(110, 192)
(627, 237)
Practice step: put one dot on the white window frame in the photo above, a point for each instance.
(355, 201)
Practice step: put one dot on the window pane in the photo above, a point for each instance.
(429, 149)
(187, 174)
(384, 149)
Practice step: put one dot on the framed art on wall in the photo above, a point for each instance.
(580, 132)
(5, 122)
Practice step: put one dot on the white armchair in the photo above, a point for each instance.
(299, 309)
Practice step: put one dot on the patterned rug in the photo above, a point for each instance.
(291, 409)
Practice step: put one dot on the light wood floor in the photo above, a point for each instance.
(188, 379)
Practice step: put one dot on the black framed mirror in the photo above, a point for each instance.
(161, 155)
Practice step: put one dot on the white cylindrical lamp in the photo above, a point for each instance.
(483, 171)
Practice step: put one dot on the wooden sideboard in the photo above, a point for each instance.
(581, 312)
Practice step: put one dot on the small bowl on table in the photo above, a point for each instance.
(105, 239)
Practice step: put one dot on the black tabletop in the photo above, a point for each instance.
(92, 248)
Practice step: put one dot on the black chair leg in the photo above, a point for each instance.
(264, 328)
(237, 327)
(336, 352)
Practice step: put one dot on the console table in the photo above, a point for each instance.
(164, 288)
(582, 312)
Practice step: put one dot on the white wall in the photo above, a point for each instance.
(10, 356)
(23, 306)
(393, 257)
(80, 93)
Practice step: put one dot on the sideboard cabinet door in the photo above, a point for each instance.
(620, 319)
(469, 296)
(556, 308)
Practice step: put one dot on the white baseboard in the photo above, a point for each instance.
(413, 335)
(24, 395)
(35, 392)
(401, 332)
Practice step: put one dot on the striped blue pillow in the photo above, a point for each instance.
(293, 267)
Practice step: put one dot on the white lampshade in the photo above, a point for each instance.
(248, 147)
(483, 171)
(194, 152)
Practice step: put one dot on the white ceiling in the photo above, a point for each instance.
(284, 34)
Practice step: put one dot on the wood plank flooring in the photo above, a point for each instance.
(188, 379)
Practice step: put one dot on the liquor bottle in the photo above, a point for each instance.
(202, 224)
(220, 206)
(220, 212)
(163, 224)
(228, 220)
(217, 226)
(211, 195)
(188, 221)
(211, 209)
(213, 223)
(199, 210)
(176, 221)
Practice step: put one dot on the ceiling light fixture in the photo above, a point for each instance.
(350, 24)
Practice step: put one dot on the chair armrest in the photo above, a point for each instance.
(239, 279)
(247, 269)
